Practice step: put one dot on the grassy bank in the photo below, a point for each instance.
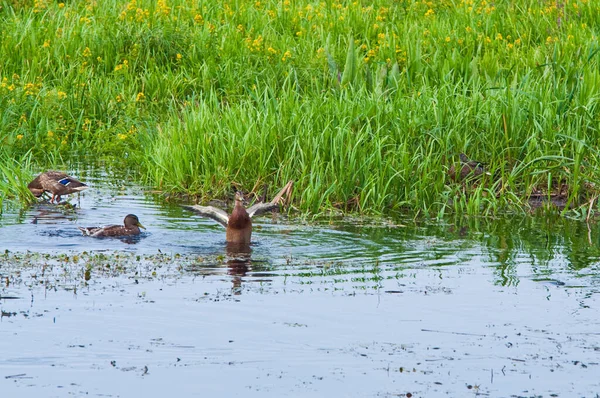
(365, 106)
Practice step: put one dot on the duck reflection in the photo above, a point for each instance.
(239, 262)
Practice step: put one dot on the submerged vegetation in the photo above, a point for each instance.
(365, 106)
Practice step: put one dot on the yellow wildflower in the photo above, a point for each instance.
(50, 134)
(140, 97)
(46, 44)
(19, 136)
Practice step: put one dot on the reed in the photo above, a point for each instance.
(364, 106)
(14, 176)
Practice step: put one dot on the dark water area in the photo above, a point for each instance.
(341, 307)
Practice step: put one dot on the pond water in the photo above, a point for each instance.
(348, 307)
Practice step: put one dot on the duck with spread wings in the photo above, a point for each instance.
(238, 224)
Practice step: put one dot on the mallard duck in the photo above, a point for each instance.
(57, 183)
(468, 168)
(238, 225)
(131, 226)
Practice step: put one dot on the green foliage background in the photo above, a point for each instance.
(364, 104)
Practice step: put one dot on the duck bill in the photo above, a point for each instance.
(141, 226)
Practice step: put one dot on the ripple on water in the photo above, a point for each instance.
(376, 309)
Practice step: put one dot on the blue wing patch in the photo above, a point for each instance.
(65, 181)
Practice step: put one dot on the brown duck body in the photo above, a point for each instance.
(131, 226)
(239, 225)
(57, 183)
(468, 168)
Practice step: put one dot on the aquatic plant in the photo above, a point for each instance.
(365, 106)
(14, 176)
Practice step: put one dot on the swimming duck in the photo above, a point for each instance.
(131, 226)
(238, 225)
(57, 183)
(468, 168)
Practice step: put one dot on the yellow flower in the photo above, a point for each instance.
(468, 29)
(429, 13)
(46, 44)
(140, 97)
(499, 36)
(50, 134)
(122, 136)
(447, 39)
(61, 95)
(87, 52)
(179, 56)
(61, 5)
(119, 98)
(286, 56)
(19, 136)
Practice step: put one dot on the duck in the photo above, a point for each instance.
(57, 183)
(468, 168)
(131, 226)
(238, 224)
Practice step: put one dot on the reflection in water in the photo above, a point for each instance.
(239, 262)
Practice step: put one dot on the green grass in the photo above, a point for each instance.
(365, 107)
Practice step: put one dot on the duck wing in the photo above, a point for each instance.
(215, 213)
(90, 231)
(261, 208)
(57, 181)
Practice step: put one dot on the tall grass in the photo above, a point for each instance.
(365, 106)
(14, 177)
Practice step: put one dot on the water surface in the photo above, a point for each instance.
(345, 307)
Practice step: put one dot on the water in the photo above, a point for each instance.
(347, 307)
